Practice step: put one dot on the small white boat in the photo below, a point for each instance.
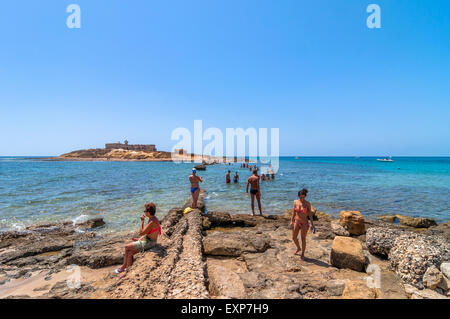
(386, 159)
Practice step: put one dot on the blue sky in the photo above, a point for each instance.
(138, 69)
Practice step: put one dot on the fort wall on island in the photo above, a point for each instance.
(131, 147)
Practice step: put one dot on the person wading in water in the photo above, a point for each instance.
(195, 189)
(254, 191)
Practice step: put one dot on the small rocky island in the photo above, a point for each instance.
(135, 152)
(219, 255)
(119, 152)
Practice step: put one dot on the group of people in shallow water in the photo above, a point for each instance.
(301, 220)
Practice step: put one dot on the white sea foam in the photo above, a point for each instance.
(18, 227)
(80, 219)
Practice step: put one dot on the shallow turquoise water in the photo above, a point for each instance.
(33, 190)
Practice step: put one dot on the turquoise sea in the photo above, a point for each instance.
(34, 190)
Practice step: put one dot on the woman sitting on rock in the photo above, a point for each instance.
(149, 237)
(299, 221)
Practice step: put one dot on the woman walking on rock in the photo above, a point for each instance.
(299, 221)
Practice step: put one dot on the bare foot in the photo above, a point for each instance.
(302, 257)
(297, 251)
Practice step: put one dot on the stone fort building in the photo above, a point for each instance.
(131, 147)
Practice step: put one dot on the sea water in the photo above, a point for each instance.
(35, 190)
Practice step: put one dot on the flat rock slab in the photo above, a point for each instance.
(358, 290)
(234, 243)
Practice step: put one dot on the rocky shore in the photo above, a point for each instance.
(218, 255)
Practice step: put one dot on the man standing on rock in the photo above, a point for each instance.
(195, 189)
(254, 191)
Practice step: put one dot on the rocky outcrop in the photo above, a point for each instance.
(347, 252)
(175, 268)
(353, 222)
(417, 252)
(218, 255)
(92, 223)
(115, 154)
(416, 222)
(388, 218)
(414, 293)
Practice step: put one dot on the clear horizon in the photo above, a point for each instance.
(313, 69)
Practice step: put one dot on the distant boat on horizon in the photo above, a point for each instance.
(386, 159)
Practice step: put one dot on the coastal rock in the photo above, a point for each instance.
(242, 220)
(390, 286)
(358, 290)
(253, 279)
(412, 254)
(337, 229)
(445, 268)
(92, 223)
(442, 230)
(388, 218)
(233, 244)
(353, 222)
(432, 277)
(444, 284)
(224, 282)
(415, 293)
(347, 252)
(100, 255)
(322, 216)
(206, 223)
(416, 222)
(380, 240)
(335, 287)
(218, 218)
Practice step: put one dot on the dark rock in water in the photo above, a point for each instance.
(92, 223)
(219, 218)
(201, 167)
(388, 218)
(416, 222)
